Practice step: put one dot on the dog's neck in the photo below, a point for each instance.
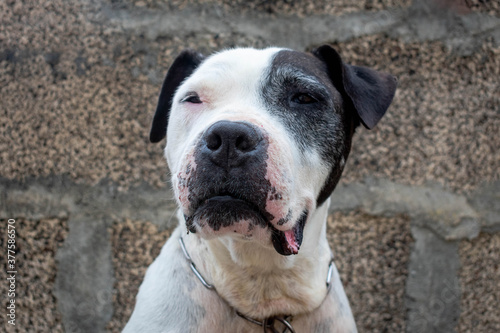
(259, 282)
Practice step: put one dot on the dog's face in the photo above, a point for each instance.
(257, 139)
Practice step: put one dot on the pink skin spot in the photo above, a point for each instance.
(193, 110)
(278, 198)
(181, 182)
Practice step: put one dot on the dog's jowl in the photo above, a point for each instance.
(256, 141)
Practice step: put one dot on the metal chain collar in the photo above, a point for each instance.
(268, 323)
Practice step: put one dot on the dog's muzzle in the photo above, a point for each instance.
(228, 189)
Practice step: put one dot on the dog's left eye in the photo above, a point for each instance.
(303, 98)
(192, 98)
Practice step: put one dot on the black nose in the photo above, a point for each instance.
(230, 144)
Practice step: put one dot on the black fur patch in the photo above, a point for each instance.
(322, 100)
(321, 125)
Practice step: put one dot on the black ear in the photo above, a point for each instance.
(370, 92)
(183, 66)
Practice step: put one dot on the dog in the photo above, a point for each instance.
(256, 142)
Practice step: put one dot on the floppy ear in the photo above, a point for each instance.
(183, 66)
(370, 91)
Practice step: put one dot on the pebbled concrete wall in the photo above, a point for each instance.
(414, 223)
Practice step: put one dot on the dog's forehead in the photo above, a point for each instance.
(243, 63)
(248, 64)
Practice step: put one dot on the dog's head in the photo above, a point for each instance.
(258, 139)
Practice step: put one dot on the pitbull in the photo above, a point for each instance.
(256, 143)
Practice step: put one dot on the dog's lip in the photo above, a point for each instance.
(223, 197)
(226, 197)
(233, 198)
(223, 210)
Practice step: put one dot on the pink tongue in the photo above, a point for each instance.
(292, 244)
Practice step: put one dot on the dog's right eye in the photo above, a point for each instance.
(192, 98)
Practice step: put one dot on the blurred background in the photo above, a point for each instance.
(414, 224)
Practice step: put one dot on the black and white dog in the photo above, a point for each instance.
(256, 143)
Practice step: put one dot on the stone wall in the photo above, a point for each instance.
(414, 224)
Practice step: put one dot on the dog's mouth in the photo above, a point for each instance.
(225, 210)
(288, 242)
